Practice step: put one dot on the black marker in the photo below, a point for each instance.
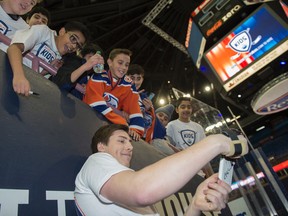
(33, 93)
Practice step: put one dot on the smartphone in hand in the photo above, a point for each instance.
(226, 168)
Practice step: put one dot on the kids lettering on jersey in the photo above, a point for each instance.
(46, 53)
(39, 40)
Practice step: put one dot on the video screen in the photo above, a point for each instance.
(261, 33)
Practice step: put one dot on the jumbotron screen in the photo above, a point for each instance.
(253, 44)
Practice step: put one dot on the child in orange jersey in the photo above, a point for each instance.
(112, 92)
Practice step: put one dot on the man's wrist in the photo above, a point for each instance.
(192, 209)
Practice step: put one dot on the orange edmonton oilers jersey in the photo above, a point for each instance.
(104, 93)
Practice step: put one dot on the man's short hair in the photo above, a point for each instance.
(136, 69)
(103, 134)
(118, 51)
(178, 102)
(39, 9)
(78, 26)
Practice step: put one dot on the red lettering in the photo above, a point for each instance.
(214, 27)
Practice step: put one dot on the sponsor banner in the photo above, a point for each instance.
(211, 15)
(273, 97)
(13, 200)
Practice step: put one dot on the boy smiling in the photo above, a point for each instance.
(42, 42)
(111, 92)
(38, 16)
(10, 17)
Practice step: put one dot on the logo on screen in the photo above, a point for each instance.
(242, 42)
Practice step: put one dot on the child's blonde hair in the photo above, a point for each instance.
(118, 51)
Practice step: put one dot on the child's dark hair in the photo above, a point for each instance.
(78, 26)
(136, 69)
(91, 48)
(103, 134)
(41, 10)
(178, 102)
(118, 51)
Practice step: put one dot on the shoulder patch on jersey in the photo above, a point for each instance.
(100, 77)
(127, 79)
(105, 75)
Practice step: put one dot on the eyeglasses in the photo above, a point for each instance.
(74, 40)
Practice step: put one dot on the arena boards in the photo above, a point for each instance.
(45, 140)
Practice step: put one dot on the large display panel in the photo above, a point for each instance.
(195, 43)
(253, 44)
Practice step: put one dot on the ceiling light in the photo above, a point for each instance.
(260, 128)
(161, 101)
(207, 88)
(187, 95)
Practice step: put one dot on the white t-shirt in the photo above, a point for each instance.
(8, 26)
(40, 40)
(185, 134)
(96, 171)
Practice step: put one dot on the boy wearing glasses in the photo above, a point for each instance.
(43, 43)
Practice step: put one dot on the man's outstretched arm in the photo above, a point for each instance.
(165, 177)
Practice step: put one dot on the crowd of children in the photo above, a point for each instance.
(115, 93)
